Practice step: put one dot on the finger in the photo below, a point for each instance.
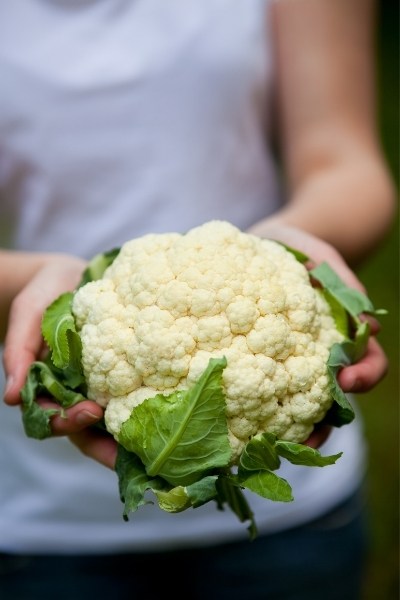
(374, 324)
(94, 444)
(22, 345)
(367, 373)
(74, 419)
(319, 435)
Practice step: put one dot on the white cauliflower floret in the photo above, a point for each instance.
(170, 302)
(242, 313)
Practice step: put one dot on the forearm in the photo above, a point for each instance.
(338, 186)
(347, 204)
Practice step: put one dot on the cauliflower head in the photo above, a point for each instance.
(214, 353)
(170, 302)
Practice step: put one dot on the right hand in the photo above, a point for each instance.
(23, 342)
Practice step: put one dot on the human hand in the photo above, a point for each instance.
(23, 341)
(366, 373)
(372, 367)
(24, 344)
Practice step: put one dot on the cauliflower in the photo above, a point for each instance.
(213, 352)
(169, 302)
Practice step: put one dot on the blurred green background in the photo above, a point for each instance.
(381, 277)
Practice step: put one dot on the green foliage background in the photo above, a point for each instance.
(381, 277)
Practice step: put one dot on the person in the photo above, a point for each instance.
(119, 119)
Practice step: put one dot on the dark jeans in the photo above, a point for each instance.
(323, 560)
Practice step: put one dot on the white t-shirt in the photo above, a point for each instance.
(118, 119)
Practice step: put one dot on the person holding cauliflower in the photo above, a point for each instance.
(149, 128)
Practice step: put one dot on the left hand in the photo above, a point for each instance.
(368, 372)
(372, 367)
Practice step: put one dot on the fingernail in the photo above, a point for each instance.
(9, 384)
(86, 418)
